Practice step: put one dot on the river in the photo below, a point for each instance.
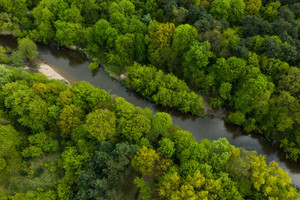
(75, 68)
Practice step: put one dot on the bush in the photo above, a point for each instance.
(94, 66)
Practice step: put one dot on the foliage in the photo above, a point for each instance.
(102, 147)
(163, 89)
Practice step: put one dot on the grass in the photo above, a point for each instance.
(15, 183)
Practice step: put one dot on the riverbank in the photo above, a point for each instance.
(47, 70)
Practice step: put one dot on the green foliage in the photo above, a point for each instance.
(69, 118)
(135, 128)
(166, 147)
(27, 48)
(17, 59)
(144, 188)
(106, 172)
(93, 66)
(9, 141)
(160, 124)
(166, 163)
(183, 36)
(261, 89)
(167, 90)
(87, 97)
(101, 124)
(150, 163)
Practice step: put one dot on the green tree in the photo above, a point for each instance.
(183, 36)
(253, 92)
(197, 57)
(27, 48)
(228, 70)
(237, 10)
(149, 163)
(87, 97)
(106, 172)
(166, 147)
(125, 48)
(68, 33)
(160, 124)
(101, 124)
(69, 118)
(253, 6)
(10, 139)
(220, 9)
(134, 128)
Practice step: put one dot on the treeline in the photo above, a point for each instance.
(78, 142)
(244, 54)
(166, 90)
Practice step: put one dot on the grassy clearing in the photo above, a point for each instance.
(14, 183)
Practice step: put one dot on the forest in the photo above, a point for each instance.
(60, 141)
(242, 54)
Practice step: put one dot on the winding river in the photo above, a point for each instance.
(75, 68)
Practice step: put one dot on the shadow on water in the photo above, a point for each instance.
(75, 68)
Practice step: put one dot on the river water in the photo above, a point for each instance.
(75, 68)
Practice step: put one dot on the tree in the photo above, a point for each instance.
(237, 11)
(220, 9)
(225, 90)
(68, 33)
(253, 7)
(44, 18)
(124, 109)
(219, 154)
(140, 47)
(133, 129)
(10, 139)
(101, 124)
(290, 81)
(183, 36)
(255, 25)
(197, 57)
(252, 93)
(125, 48)
(87, 96)
(270, 11)
(145, 189)
(160, 124)
(99, 31)
(106, 173)
(5, 74)
(166, 147)
(18, 7)
(32, 112)
(149, 163)
(4, 58)
(27, 48)
(272, 48)
(69, 118)
(228, 70)
(270, 179)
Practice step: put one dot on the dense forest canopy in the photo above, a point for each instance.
(76, 141)
(243, 54)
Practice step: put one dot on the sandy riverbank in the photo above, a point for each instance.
(48, 71)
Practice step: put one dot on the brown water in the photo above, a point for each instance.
(75, 68)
